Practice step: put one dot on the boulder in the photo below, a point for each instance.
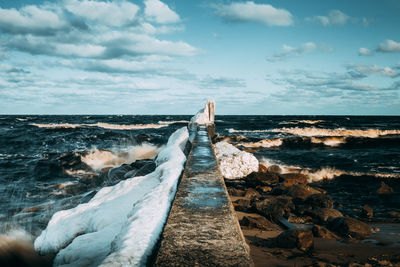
(264, 189)
(300, 191)
(234, 163)
(318, 201)
(289, 179)
(322, 232)
(274, 207)
(146, 169)
(384, 189)
(262, 168)
(350, 227)
(367, 212)
(252, 194)
(296, 238)
(242, 204)
(258, 222)
(324, 215)
(235, 192)
(118, 173)
(140, 163)
(261, 179)
(274, 169)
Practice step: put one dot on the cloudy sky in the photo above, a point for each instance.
(169, 56)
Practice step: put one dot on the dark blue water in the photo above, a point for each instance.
(41, 156)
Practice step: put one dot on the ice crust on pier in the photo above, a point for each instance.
(121, 224)
(234, 163)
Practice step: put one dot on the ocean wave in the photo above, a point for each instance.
(302, 121)
(98, 159)
(312, 131)
(329, 141)
(264, 143)
(104, 125)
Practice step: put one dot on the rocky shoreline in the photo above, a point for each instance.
(290, 222)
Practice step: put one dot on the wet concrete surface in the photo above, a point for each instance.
(202, 228)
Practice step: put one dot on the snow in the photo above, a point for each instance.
(234, 163)
(122, 223)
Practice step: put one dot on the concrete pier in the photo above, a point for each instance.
(202, 228)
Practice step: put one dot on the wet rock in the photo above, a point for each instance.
(300, 191)
(318, 201)
(274, 169)
(261, 178)
(384, 189)
(140, 163)
(289, 179)
(32, 209)
(235, 192)
(130, 174)
(322, 232)
(325, 215)
(350, 228)
(146, 169)
(252, 194)
(76, 189)
(299, 219)
(278, 190)
(367, 212)
(262, 168)
(296, 238)
(258, 222)
(117, 174)
(237, 183)
(272, 207)
(242, 204)
(264, 189)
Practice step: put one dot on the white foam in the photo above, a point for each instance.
(104, 125)
(302, 121)
(99, 159)
(264, 143)
(329, 141)
(312, 131)
(234, 163)
(120, 224)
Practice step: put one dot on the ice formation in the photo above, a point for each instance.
(234, 163)
(121, 224)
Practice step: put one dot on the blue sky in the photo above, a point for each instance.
(168, 57)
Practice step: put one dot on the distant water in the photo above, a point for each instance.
(46, 161)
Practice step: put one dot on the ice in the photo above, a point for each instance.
(234, 163)
(122, 223)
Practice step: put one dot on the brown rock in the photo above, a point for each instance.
(264, 189)
(367, 212)
(259, 222)
(319, 231)
(252, 194)
(274, 169)
(242, 204)
(350, 228)
(235, 192)
(318, 201)
(384, 189)
(273, 207)
(296, 238)
(289, 179)
(300, 191)
(261, 178)
(325, 215)
(262, 168)
(32, 209)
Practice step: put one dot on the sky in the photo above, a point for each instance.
(169, 57)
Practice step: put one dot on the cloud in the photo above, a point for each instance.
(389, 46)
(210, 82)
(159, 12)
(252, 12)
(304, 48)
(364, 52)
(334, 17)
(373, 70)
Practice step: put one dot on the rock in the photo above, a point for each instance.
(117, 174)
(130, 174)
(252, 194)
(262, 168)
(274, 169)
(234, 163)
(237, 183)
(318, 201)
(264, 189)
(278, 190)
(350, 227)
(300, 191)
(273, 207)
(325, 215)
(367, 212)
(242, 204)
(140, 163)
(146, 169)
(32, 209)
(261, 178)
(296, 238)
(259, 222)
(384, 189)
(319, 231)
(289, 179)
(235, 192)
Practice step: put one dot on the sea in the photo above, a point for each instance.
(47, 163)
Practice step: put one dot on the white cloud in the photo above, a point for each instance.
(252, 12)
(373, 70)
(389, 46)
(364, 52)
(334, 17)
(31, 19)
(118, 13)
(159, 12)
(305, 48)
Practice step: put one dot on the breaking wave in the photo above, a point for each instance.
(312, 131)
(160, 124)
(264, 143)
(302, 121)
